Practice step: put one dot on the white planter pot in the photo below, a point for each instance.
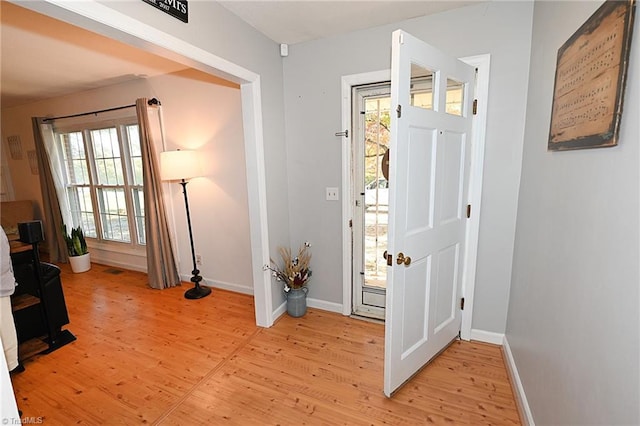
(80, 263)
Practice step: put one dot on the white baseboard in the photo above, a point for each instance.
(311, 303)
(324, 305)
(487, 336)
(521, 399)
(281, 310)
(110, 263)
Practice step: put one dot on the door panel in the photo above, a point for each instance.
(428, 172)
(421, 159)
(453, 179)
(445, 286)
(415, 298)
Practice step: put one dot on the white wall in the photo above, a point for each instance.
(573, 323)
(312, 75)
(208, 120)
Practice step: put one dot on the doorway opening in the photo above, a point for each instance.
(371, 135)
(101, 19)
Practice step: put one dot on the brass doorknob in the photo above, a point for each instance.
(400, 259)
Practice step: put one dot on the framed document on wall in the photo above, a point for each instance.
(590, 79)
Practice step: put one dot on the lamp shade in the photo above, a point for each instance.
(178, 165)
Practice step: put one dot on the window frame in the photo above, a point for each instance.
(128, 185)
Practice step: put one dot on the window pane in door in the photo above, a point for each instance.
(421, 87)
(376, 193)
(454, 98)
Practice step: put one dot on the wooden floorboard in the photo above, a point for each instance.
(145, 356)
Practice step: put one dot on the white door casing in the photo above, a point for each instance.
(429, 175)
(347, 84)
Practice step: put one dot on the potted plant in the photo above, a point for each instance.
(77, 249)
(294, 274)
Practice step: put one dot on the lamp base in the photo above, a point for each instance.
(197, 292)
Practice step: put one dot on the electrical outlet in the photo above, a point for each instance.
(198, 259)
(332, 194)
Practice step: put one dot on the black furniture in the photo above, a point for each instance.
(39, 307)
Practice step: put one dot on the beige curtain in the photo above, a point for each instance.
(53, 221)
(161, 265)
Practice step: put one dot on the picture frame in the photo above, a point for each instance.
(590, 79)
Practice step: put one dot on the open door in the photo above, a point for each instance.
(431, 94)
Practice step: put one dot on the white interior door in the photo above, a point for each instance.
(429, 174)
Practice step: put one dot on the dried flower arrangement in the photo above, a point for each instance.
(295, 272)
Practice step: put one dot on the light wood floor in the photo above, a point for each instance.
(150, 356)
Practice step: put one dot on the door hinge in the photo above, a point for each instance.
(475, 106)
(350, 223)
(399, 111)
(468, 211)
(462, 304)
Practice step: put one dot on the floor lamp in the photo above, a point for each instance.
(181, 166)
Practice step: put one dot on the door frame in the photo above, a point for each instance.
(101, 19)
(359, 215)
(482, 64)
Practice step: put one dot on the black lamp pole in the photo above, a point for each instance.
(196, 292)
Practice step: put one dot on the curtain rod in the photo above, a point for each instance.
(152, 101)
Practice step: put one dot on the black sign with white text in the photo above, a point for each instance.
(176, 8)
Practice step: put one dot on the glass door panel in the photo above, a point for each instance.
(376, 194)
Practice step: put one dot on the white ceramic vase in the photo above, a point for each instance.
(80, 263)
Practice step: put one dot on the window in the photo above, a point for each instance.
(103, 181)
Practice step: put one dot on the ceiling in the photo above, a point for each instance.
(43, 58)
(294, 22)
